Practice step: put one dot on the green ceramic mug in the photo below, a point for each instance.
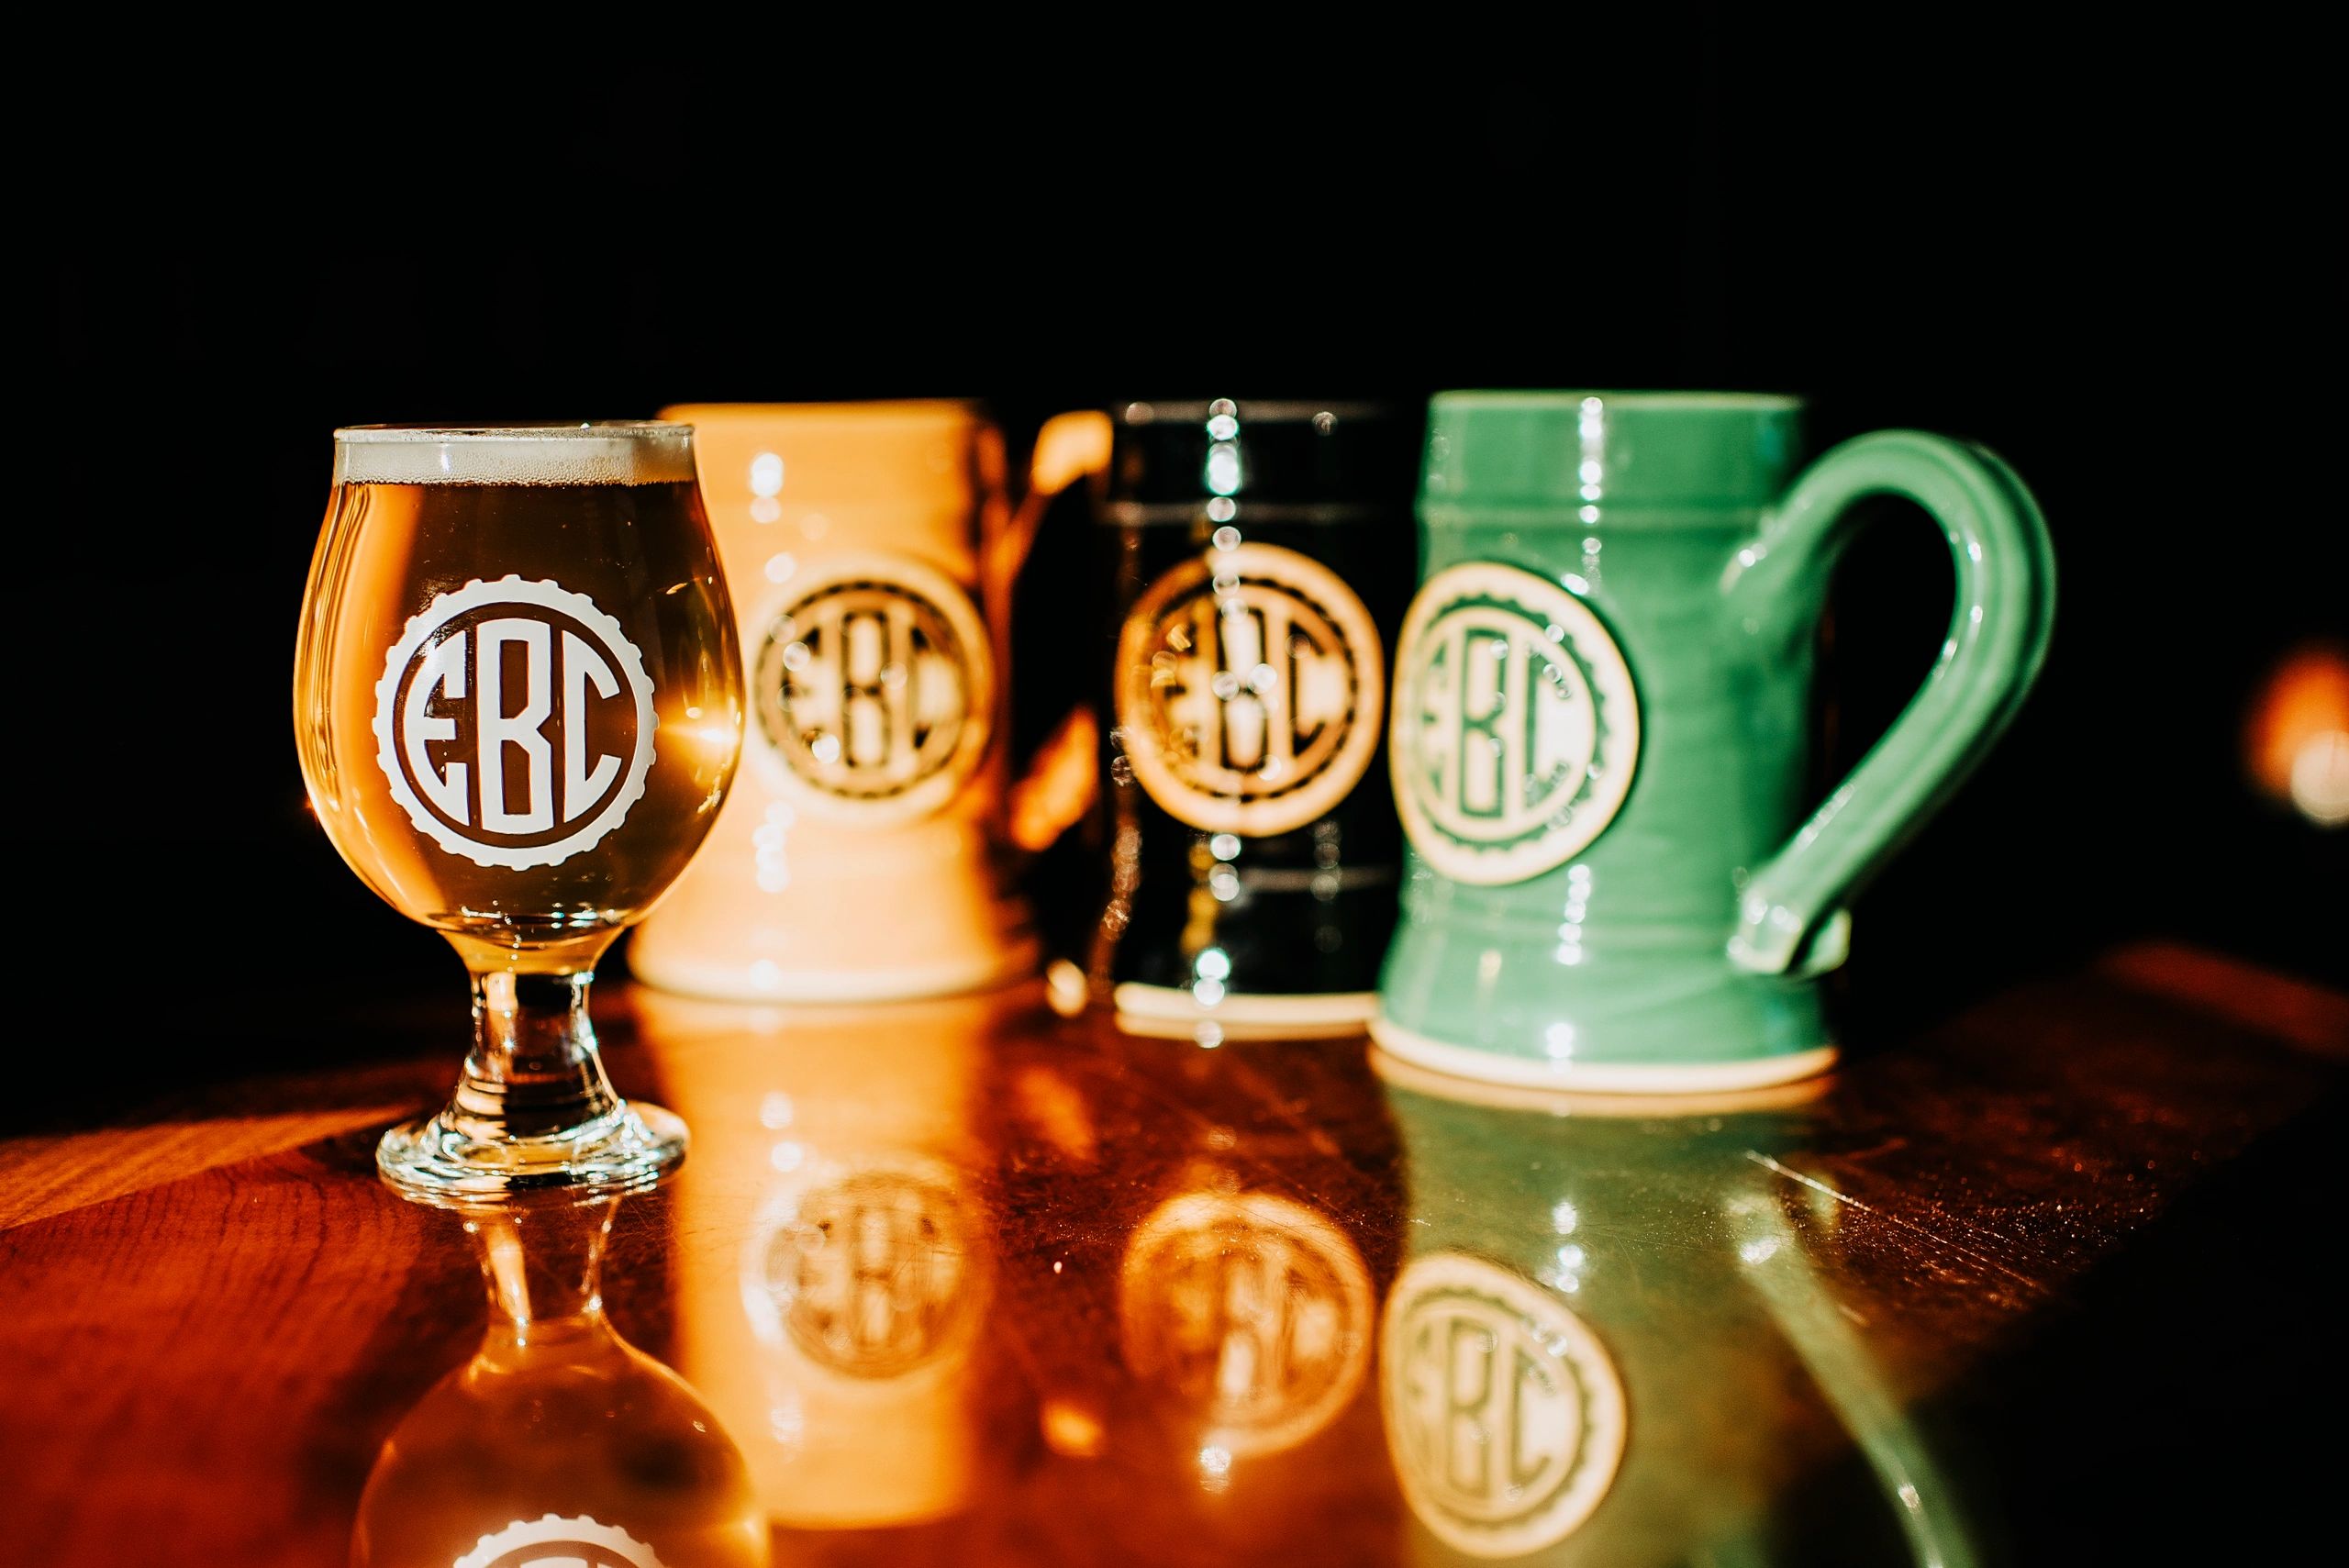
(1599, 724)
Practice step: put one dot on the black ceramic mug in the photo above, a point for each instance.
(1253, 561)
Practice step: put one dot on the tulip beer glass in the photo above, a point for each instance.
(517, 702)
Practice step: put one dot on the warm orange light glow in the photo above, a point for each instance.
(2297, 741)
(1073, 1429)
(1053, 1110)
(1058, 786)
(1069, 446)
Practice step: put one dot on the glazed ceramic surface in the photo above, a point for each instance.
(1599, 719)
(1254, 559)
(858, 858)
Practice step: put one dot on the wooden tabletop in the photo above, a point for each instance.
(965, 1282)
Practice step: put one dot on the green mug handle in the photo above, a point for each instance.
(1790, 918)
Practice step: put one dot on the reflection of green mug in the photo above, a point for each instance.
(1618, 1340)
(1599, 728)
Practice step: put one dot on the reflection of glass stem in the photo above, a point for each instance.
(1840, 1365)
(556, 1430)
(547, 1282)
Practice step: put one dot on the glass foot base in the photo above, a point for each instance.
(436, 1162)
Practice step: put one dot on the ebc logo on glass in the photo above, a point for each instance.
(514, 721)
(553, 1541)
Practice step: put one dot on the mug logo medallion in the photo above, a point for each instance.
(1250, 690)
(514, 721)
(1504, 1413)
(1253, 1310)
(872, 1275)
(874, 685)
(552, 1541)
(1517, 728)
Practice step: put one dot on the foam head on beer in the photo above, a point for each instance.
(641, 452)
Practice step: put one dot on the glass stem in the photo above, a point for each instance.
(533, 1070)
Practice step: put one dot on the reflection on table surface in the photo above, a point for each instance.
(558, 1440)
(966, 1281)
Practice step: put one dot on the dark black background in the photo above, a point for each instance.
(2100, 256)
(2102, 248)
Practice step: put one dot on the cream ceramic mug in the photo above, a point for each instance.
(869, 547)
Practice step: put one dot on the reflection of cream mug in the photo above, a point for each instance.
(1251, 1311)
(869, 546)
(839, 1327)
(1599, 723)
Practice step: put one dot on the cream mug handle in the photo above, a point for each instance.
(1057, 787)
(1069, 446)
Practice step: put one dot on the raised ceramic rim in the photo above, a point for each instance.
(1742, 402)
(1263, 1009)
(1250, 411)
(1599, 1077)
(954, 412)
(1425, 1081)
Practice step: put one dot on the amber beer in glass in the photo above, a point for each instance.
(518, 706)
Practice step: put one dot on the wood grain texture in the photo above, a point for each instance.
(45, 1174)
(211, 1315)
